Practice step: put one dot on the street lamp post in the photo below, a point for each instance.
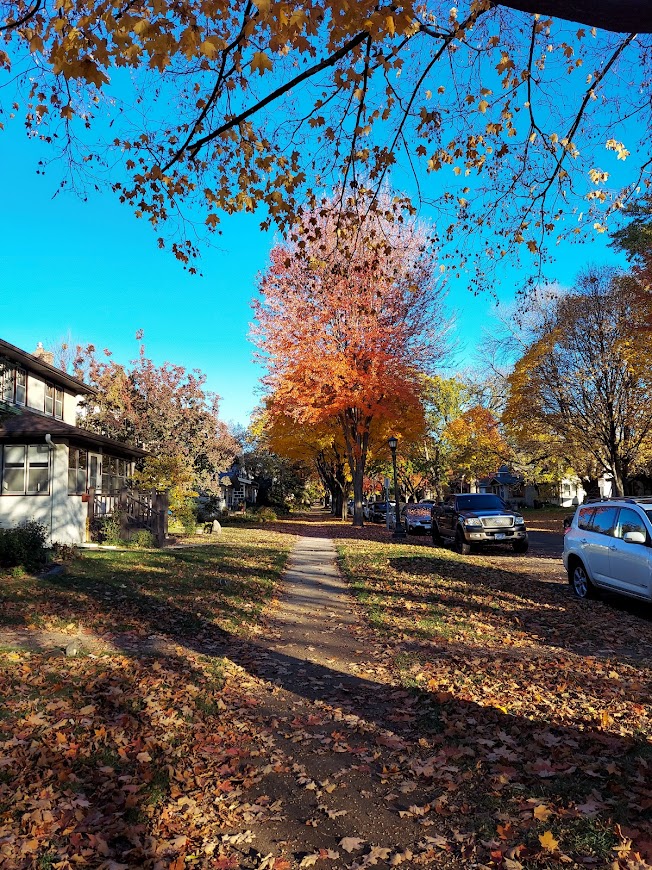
(399, 531)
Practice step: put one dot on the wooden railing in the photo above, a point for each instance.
(136, 510)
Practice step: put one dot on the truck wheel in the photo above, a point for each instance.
(520, 546)
(461, 544)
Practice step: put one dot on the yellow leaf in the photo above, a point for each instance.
(260, 62)
(483, 105)
(210, 47)
(548, 842)
(389, 21)
(541, 812)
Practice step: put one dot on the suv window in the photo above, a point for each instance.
(584, 518)
(629, 521)
(480, 502)
(604, 520)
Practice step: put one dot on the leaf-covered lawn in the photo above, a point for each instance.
(189, 592)
(117, 761)
(540, 703)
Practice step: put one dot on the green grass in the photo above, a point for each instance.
(189, 592)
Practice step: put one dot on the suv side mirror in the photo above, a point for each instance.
(634, 538)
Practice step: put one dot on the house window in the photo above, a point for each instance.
(26, 469)
(114, 474)
(77, 467)
(53, 401)
(13, 385)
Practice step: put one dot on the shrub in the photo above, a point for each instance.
(64, 552)
(143, 538)
(107, 530)
(185, 514)
(266, 514)
(23, 546)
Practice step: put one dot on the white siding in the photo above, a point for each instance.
(63, 515)
(35, 392)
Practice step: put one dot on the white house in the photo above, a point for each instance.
(49, 467)
(238, 487)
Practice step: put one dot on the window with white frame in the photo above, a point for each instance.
(53, 401)
(114, 473)
(77, 470)
(13, 384)
(25, 469)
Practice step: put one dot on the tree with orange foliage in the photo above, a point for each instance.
(475, 442)
(344, 335)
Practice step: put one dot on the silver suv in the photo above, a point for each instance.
(609, 546)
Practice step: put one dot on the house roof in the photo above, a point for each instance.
(503, 476)
(51, 373)
(30, 424)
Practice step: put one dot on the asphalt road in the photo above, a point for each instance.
(550, 544)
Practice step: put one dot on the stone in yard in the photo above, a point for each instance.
(217, 528)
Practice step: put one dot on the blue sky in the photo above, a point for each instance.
(91, 270)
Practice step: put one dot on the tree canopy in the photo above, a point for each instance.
(346, 339)
(203, 107)
(163, 408)
(581, 389)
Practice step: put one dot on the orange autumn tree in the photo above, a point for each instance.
(349, 317)
(475, 443)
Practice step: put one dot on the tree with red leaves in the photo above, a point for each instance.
(350, 317)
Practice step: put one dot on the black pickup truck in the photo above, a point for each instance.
(477, 518)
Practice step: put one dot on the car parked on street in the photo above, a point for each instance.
(608, 545)
(416, 518)
(378, 511)
(477, 518)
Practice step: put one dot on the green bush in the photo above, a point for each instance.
(24, 546)
(107, 530)
(239, 519)
(143, 539)
(185, 514)
(266, 514)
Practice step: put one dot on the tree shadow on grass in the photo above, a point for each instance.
(547, 613)
(157, 736)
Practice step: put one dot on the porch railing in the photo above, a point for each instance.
(136, 510)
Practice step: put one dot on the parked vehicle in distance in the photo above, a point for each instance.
(609, 546)
(477, 518)
(378, 511)
(416, 517)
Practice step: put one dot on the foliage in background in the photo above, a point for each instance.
(166, 410)
(582, 389)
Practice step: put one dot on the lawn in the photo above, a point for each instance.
(209, 588)
(116, 758)
(540, 702)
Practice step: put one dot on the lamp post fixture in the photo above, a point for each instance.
(399, 531)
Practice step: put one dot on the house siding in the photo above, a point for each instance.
(63, 515)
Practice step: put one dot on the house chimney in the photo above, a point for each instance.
(45, 355)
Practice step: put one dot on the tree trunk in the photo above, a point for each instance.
(355, 428)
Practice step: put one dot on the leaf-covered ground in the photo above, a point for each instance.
(457, 713)
(116, 757)
(541, 702)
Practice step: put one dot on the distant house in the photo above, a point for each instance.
(512, 488)
(51, 470)
(503, 483)
(238, 486)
